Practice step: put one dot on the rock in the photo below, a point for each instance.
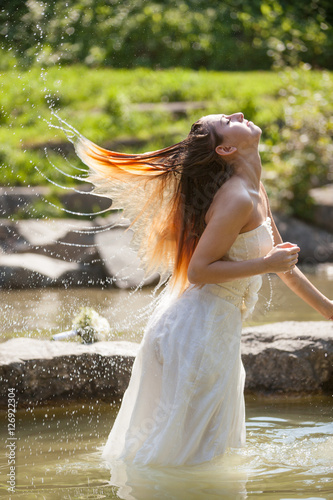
(89, 252)
(31, 270)
(121, 262)
(323, 195)
(65, 239)
(80, 201)
(316, 244)
(289, 358)
(10, 239)
(38, 233)
(43, 371)
(14, 199)
(114, 219)
(325, 270)
(323, 210)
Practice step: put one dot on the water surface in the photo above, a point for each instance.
(288, 455)
(40, 313)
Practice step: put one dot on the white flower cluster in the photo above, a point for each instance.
(90, 326)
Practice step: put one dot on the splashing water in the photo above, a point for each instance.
(288, 456)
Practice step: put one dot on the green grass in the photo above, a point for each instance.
(100, 104)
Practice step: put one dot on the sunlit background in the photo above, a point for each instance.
(132, 75)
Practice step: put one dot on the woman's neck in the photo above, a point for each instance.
(247, 165)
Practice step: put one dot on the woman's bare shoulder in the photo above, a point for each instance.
(234, 188)
(231, 196)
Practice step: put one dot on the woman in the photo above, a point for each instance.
(205, 217)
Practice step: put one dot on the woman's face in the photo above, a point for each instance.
(235, 129)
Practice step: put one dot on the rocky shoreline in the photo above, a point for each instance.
(281, 359)
(95, 252)
(70, 252)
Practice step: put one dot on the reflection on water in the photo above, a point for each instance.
(289, 454)
(43, 312)
(224, 479)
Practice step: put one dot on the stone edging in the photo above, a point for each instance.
(288, 358)
(67, 252)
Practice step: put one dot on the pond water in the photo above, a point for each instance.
(289, 451)
(39, 313)
(288, 455)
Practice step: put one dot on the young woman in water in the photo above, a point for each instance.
(201, 213)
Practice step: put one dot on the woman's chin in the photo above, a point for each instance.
(257, 129)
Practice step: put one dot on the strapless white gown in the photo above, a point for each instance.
(184, 404)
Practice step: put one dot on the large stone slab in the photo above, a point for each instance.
(66, 239)
(323, 209)
(69, 252)
(288, 358)
(42, 371)
(14, 199)
(31, 270)
(316, 244)
(120, 261)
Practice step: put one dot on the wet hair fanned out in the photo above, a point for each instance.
(165, 194)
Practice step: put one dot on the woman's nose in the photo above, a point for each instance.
(239, 116)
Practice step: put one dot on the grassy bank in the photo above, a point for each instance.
(293, 108)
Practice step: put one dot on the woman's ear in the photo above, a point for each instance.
(225, 150)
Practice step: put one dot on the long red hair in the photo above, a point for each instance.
(165, 194)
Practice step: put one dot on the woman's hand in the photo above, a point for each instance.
(282, 258)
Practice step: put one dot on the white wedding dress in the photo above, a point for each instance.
(184, 404)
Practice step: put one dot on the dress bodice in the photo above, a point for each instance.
(249, 245)
(252, 244)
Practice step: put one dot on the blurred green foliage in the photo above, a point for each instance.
(293, 107)
(301, 152)
(58, 55)
(211, 34)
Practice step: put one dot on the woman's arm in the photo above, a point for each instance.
(227, 219)
(300, 285)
